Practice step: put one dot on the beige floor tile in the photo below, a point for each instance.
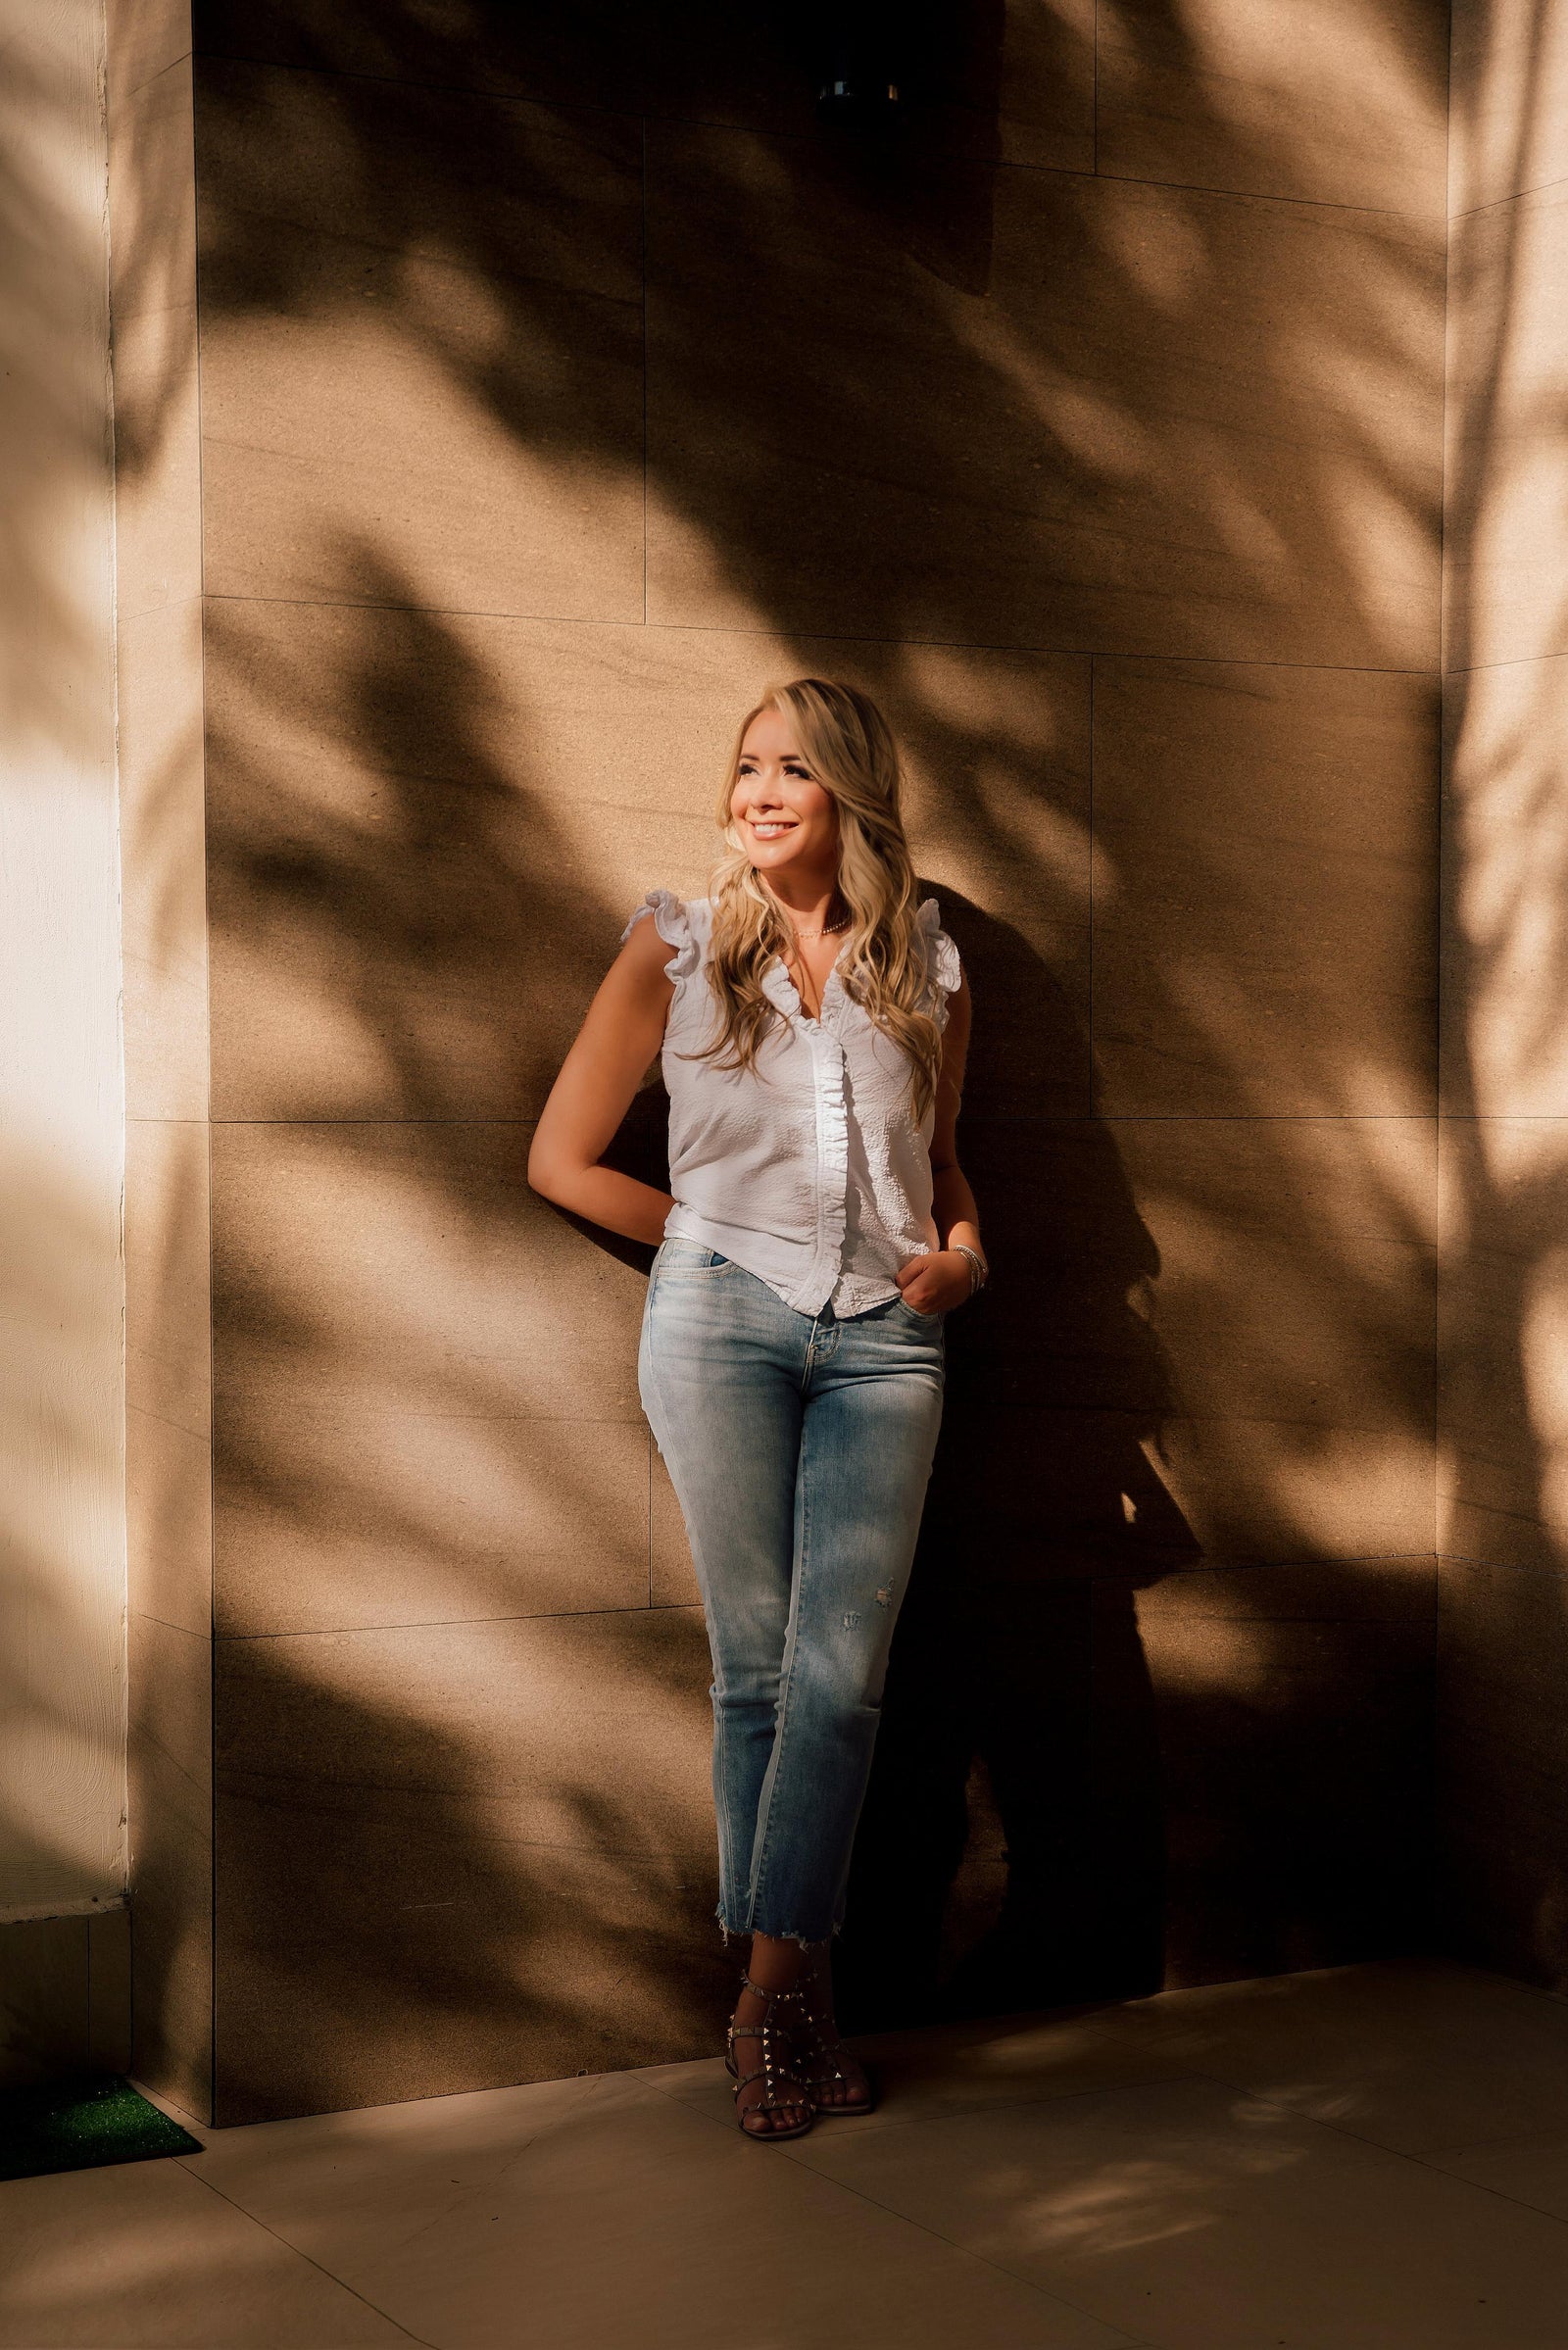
(1216, 2221)
(1530, 2170)
(958, 2069)
(1414, 2055)
(144, 2254)
(597, 2213)
(1107, 2178)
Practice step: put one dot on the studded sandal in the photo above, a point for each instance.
(782, 2085)
(819, 2046)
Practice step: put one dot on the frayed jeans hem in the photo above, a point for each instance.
(806, 1941)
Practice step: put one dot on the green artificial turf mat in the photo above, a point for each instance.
(82, 2125)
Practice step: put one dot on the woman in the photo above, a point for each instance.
(813, 1019)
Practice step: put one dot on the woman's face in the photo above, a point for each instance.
(784, 818)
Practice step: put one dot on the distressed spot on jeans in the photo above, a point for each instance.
(884, 1597)
(850, 1623)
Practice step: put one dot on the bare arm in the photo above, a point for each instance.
(621, 1036)
(937, 1283)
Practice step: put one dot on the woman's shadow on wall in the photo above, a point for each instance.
(1011, 1850)
(1011, 1853)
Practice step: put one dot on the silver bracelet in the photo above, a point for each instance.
(979, 1270)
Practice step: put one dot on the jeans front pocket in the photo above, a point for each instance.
(689, 1260)
(926, 1321)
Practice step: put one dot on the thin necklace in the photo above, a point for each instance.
(826, 931)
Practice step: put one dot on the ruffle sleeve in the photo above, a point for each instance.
(942, 957)
(673, 923)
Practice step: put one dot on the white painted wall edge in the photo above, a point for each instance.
(88, 1907)
(61, 1126)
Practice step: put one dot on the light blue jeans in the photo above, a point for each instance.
(799, 1446)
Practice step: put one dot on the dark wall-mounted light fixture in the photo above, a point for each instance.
(863, 61)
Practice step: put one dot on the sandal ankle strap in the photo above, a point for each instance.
(761, 1990)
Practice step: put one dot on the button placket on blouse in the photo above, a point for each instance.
(833, 1154)
(828, 1085)
(829, 1054)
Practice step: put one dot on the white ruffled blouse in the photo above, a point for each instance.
(808, 1169)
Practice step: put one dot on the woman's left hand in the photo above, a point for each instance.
(936, 1283)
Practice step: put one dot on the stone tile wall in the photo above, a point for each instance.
(561, 383)
(1503, 1503)
(65, 1998)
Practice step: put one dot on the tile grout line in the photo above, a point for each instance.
(211, 1805)
(1045, 2292)
(674, 1607)
(546, 1615)
(1393, 2154)
(1094, 104)
(809, 137)
(964, 2251)
(183, 2161)
(115, 273)
(145, 1615)
(1398, 2154)
(1476, 669)
(1065, 1117)
(794, 632)
(1473, 211)
(1507, 1566)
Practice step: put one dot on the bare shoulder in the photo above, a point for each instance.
(646, 956)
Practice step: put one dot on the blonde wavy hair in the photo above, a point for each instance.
(850, 748)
